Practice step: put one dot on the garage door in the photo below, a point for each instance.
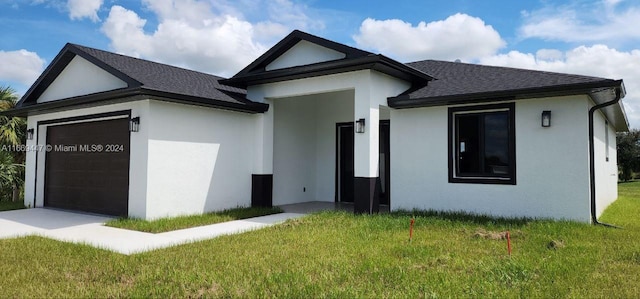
(87, 168)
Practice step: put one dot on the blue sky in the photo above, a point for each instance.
(590, 37)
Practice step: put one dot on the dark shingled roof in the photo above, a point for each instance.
(434, 82)
(459, 82)
(143, 78)
(167, 78)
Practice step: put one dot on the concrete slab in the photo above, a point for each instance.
(32, 221)
(89, 229)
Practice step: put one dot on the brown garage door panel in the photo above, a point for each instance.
(93, 181)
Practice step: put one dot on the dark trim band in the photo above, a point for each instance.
(85, 117)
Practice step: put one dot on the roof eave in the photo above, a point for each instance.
(249, 107)
(136, 94)
(405, 100)
(376, 62)
(616, 114)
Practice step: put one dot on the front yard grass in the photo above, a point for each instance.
(10, 205)
(337, 254)
(175, 223)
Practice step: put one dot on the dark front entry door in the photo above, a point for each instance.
(345, 162)
(384, 163)
(88, 167)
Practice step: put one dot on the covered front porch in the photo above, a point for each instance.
(307, 147)
(314, 152)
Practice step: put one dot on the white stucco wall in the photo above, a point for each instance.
(367, 105)
(80, 77)
(606, 170)
(294, 151)
(304, 53)
(552, 163)
(34, 178)
(200, 159)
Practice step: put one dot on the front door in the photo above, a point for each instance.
(384, 165)
(345, 162)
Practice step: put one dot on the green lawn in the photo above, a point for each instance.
(169, 224)
(346, 256)
(9, 205)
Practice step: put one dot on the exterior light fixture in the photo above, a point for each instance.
(360, 125)
(134, 124)
(546, 119)
(30, 134)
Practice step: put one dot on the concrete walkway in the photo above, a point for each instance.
(89, 229)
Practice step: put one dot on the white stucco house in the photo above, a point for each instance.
(316, 120)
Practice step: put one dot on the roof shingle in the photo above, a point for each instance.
(167, 78)
(454, 79)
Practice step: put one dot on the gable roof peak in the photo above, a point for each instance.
(259, 72)
(141, 77)
(293, 39)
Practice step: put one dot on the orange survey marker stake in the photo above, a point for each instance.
(509, 243)
(411, 229)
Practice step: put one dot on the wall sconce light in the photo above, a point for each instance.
(360, 125)
(30, 134)
(134, 124)
(546, 119)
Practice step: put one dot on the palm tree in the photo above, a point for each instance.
(11, 128)
(10, 175)
(12, 134)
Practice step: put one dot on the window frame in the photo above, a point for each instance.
(454, 176)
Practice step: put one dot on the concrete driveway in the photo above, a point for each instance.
(89, 229)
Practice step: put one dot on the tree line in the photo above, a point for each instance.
(628, 144)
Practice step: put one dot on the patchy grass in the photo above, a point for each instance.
(336, 254)
(175, 223)
(9, 205)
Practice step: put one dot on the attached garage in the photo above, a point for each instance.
(185, 153)
(87, 167)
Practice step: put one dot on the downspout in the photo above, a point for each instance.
(592, 159)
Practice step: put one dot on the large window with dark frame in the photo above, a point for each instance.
(482, 144)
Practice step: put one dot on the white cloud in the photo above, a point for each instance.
(602, 21)
(206, 36)
(597, 60)
(549, 54)
(293, 14)
(125, 29)
(457, 37)
(24, 66)
(79, 9)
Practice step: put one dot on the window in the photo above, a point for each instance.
(482, 144)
